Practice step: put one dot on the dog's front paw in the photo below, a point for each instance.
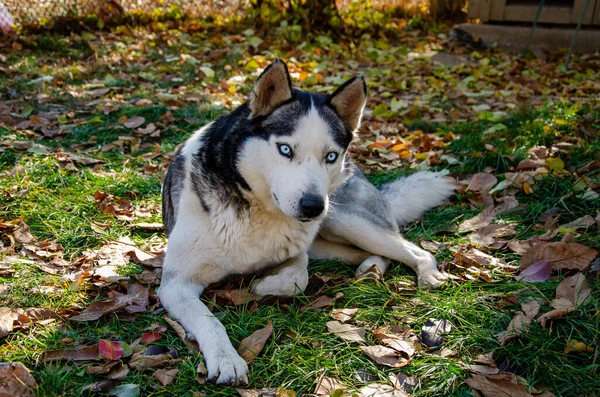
(228, 369)
(274, 285)
(432, 279)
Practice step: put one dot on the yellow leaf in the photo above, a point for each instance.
(398, 147)
(231, 90)
(526, 188)
(404, 154)
(576, 346)
(421, 156)
(555, 163)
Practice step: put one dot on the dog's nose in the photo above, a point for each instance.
(311, 206)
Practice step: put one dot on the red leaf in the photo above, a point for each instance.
(150, 336)
(539, 271)
(110, 350)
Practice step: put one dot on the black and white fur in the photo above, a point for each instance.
(265, 187)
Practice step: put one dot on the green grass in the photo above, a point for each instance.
(59, 206)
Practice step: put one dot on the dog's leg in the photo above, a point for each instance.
(290, 278)
(353, 256)
(385, 243)
(182, 299)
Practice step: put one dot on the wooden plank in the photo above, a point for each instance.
(578, 7)
(480, 9)
(497, 10)
(518, 13)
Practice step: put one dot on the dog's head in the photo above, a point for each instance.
(295, 156)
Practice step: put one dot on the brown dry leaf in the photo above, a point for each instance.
(581, 223)
(385, 356)
(166, 377)
(517, 326)
(507, 203)
(22, 234)
(379, 390)
(562, 255)
(236, 296)
(343, 315)
(346, 331)
(530, 307)
(500, 385)
(519, 247)
(479, 221)
(11, 317)
(134, 122)
(482, 182)
(201, 373)
(251, 346)
(148, 225)
(406, 343)
(321, 301)
(82, 353)
(570, 294)
(137, 297)
(327, 385)
(16, 380)
(474, 257)
(488, 236)
(180, 331)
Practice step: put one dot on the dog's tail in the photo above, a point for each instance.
(411, 196)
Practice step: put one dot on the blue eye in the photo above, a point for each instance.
(331, 157)
(285, 150)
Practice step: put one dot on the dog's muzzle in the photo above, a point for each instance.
(311, 206)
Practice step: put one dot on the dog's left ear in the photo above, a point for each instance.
(272, 88)
(349, 101)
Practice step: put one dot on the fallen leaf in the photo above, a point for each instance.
(134, 122)
(379, 390)
(507, 203)
(125, 390)
(517, 326)
(580, 223)
(16, 380)
(531, 307)
(321, 301)
(136, 296)
(576, 346)
(405, 343)
(479, 221)
(236, 296)
(110, 350)
(180, 331)
(201, 373)
(251, 346)
(433, 331)
(346, 331)
(570, 294)
(562, 255)
(536, 272)
(166, 377)
(385, 356)
(327, 385)
(9, 316)
(482, 182)
(83, 353)
(343, 315)
(501, 385)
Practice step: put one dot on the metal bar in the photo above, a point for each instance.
(587, 3)
(537, 16)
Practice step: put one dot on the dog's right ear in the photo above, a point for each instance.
(272, 88)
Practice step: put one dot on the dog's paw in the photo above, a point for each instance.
(229, 369)
(432, 279)
(274, 285)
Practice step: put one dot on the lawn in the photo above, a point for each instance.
(90, 120)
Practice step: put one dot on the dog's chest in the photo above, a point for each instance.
(257, 238)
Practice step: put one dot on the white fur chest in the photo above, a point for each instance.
(256, 238)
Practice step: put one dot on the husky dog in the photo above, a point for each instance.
(265, 187)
